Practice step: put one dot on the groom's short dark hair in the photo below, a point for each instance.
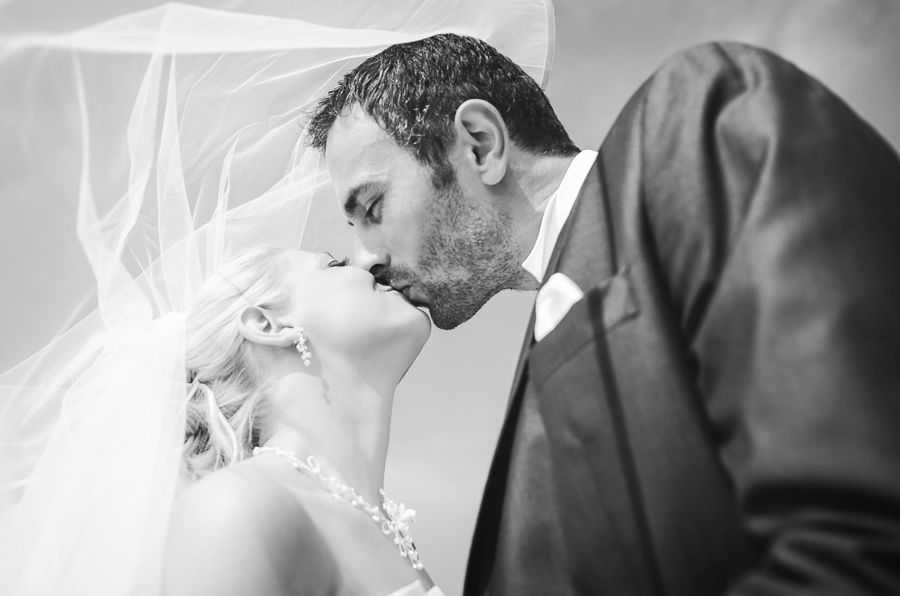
(413, 90)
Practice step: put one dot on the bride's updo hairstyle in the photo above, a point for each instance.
(224, 390)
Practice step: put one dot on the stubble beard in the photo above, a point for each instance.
(469, 255)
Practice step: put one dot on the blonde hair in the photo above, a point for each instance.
(224, 391)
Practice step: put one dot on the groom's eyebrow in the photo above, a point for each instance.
(351, 203)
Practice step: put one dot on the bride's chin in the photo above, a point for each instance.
(422, 327)
(413, 335)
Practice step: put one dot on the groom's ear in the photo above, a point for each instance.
(483, 138)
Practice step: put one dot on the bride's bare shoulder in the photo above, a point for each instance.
(238, 532)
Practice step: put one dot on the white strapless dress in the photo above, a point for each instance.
(417, 589)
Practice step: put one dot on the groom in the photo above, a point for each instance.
(708, 397)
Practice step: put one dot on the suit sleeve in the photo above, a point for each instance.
(775, 212)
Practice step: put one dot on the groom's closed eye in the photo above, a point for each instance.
(352, 205)
(373, 210)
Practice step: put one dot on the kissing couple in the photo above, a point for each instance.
(706, 399)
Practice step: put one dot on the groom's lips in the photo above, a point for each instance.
(407, 293)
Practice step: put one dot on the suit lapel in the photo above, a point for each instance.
(613, 301)
(527, 342)
(587, 253)
(586, 226)
(584, 233)
(585, 250)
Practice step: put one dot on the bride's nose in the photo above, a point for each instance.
(375, 262)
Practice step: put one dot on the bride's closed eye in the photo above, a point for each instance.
(339, 263)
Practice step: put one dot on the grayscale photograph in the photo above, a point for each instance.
(450, 298)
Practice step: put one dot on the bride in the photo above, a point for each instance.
(162, 142)
(300, 355)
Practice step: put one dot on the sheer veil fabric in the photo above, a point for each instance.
(162, 139)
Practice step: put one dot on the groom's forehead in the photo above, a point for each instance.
(357, 126)
(357, 141)
(362, 158)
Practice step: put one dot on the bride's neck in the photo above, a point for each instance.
(336, 416)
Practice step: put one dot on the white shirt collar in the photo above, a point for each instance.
(557, 212)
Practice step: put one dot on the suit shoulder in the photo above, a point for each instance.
(712, 59)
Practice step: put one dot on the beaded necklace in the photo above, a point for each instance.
(395, 524)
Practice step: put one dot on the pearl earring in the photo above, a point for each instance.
(300, 344)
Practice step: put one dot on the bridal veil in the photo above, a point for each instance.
(158, 140)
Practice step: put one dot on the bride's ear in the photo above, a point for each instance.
(260, 326)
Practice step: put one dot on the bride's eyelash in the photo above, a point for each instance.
(342, 263)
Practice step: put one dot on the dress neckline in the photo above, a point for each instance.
(417, 589)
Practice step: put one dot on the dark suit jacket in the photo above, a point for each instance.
(721, 413)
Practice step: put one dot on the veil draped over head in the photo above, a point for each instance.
(157, 141)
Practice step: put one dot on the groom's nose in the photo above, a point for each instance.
(375, 262)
